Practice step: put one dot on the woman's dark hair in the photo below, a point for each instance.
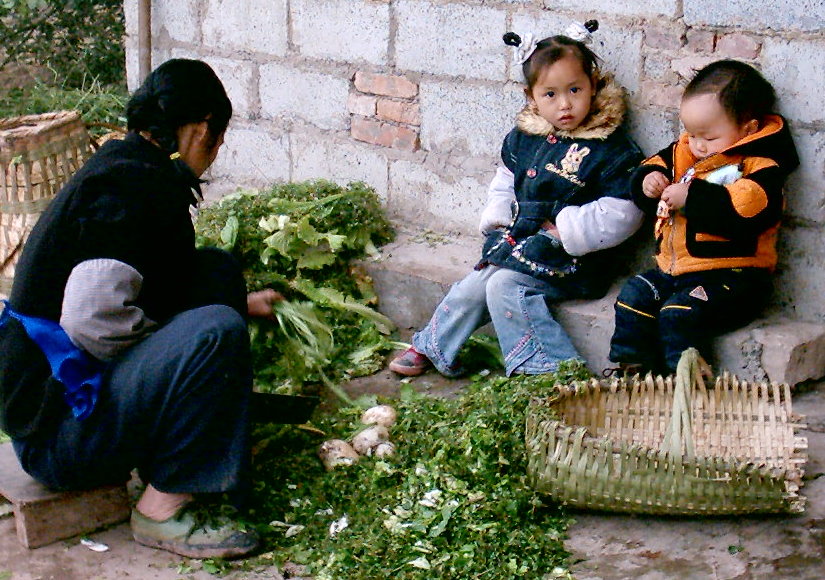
(179, 92)
(743, 92)
(554, 48)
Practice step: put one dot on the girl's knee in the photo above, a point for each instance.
(502, 291)
(503, 281)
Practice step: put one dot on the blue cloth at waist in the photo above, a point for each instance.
(80, 373)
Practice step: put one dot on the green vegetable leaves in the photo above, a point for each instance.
(299, 324)
(452, 504)
(301, 239)
(229, 233)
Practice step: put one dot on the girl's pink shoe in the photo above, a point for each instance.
(410, 363)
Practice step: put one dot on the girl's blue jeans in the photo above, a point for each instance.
(530, 338)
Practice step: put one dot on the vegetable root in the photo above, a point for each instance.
(336, 452)
(370, 438)
(383, 415)
(385, 449)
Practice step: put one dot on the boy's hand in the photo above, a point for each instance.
(675, 195)
(654, 184)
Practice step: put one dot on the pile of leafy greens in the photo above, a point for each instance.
(451, 504)
(303, 240)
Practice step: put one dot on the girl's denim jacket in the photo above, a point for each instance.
(552, 170)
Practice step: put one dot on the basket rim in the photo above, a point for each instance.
(543, 414)
(25, 132)
(45, 120)
(620, 447)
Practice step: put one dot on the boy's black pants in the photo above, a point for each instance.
(658, 316)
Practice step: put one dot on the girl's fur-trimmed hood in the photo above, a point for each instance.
(606, 115)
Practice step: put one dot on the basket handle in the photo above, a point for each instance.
(95, 143)
(678, 440)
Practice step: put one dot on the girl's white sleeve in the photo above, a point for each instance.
(598, 225)
(500, 196)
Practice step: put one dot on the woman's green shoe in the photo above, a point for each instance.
(183, 534)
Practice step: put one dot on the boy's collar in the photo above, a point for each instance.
(607, 114)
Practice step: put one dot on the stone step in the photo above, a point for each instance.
(416, 271)
(43, 516)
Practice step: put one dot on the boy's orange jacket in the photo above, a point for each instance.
(734, 203)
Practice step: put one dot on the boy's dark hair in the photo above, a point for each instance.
(743, 92)
(552, 49)
(179, 92)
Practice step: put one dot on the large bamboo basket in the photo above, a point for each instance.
(38, 154)
(669, 445)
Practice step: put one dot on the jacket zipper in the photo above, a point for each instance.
(670, 242)
(671, 220)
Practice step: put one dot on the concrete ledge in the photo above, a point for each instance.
(43, 516)
(774, 349)
(416, 271)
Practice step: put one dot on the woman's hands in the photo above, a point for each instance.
(259, 304)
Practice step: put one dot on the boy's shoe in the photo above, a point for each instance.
(410, 363)
(624, 370)
(182, 534)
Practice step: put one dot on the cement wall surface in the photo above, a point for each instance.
(413, 97)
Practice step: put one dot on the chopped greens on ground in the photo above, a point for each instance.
(452, 503)
(303, 239)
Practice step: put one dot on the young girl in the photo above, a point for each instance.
(560, 200)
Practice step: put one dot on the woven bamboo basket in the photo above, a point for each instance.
(38, 154)
(669, 445)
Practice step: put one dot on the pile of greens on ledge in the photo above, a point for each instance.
(303, 240)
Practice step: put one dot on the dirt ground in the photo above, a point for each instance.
(604, 546)
(613, 547)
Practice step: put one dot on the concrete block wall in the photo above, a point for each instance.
(414, 96)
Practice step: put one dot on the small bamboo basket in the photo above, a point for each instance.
(669, 445)
(38, 155)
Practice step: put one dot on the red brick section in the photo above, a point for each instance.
(385, 111)
(667, 96)
(737, 45)
(363, 105)
(666, 39)
(385, 85)
(700, 40)
(399, 111)
(384, 134)
(702, 47)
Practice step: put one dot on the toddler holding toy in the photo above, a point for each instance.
(717, 194)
